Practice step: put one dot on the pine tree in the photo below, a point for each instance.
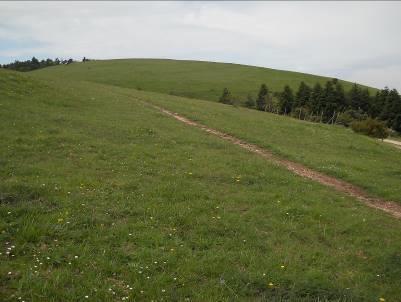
(329, 101)
(340, 100)
(365, 100)
(286, 100)
(397, 123)
(391, 108)
(377, 105)
(354, 96)
(35, 64)
(226, 97)
(316, 98)
(250, 102)
(261, 101)
(302, 95)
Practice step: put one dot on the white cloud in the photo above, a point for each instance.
(359, 41)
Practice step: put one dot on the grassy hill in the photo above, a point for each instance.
(103, 197)
(334, 150)
(195, 79)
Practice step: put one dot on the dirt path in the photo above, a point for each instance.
(390, 207)
(395, 143)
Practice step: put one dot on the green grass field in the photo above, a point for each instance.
(335, 150)
(104, 198)
(195, 79)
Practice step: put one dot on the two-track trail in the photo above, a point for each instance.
(347, 188)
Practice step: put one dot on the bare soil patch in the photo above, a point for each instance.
(395, 143)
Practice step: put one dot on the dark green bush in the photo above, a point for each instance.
(349, 116)
(371, 127)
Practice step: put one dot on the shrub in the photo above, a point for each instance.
(226, 97)
(371, 127)
(349, 116)
(250, 102)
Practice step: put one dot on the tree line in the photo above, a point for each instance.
(34, 63)
(328, 103)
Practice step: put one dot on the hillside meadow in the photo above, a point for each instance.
(104, 198)
(194, 79)
(335, 150)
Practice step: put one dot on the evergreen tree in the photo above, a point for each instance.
(226, 97)
(286, 100)
(316, 99)
(397, 123)
(391, 108)
(250, 102)
(328, 105)
(365, 100)
(340, 100)
(377, 105)
(354, 96)
(302, 96)
(35, 64)
(359, 99)
(261, 101)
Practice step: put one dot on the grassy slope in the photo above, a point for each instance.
(334, 150)
(202, 80)
(88, 171)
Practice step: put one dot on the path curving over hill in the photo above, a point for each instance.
(389, 207)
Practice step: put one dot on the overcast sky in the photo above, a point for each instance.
(356, 41)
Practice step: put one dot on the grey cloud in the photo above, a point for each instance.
(358, 41)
